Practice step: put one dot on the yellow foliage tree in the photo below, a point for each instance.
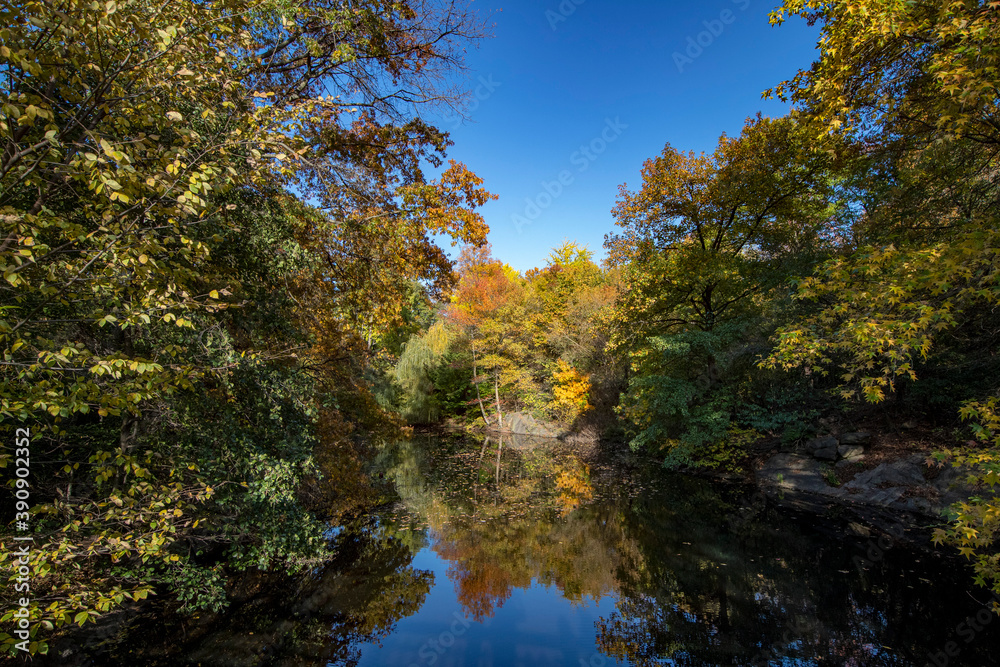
(915, 84)
(571, 391)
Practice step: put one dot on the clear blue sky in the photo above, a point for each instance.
(549, 87)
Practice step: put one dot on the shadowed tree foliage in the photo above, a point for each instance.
(187, 341)
(915, 85)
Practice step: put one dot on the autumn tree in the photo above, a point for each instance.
(705, 243)
(489, 307)
(174, 323)
(926, 261)
(530, 342)
(900, 70)
(721, 229)
(915, 85)
(569, 297)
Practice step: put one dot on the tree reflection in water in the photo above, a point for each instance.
(701, 575)
(697, 574)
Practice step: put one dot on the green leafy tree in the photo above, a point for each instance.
(706, 244)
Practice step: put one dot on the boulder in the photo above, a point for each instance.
(897, 485)
(790, 472)
(524, 424)
(825, 442)
(846, 462)
(952, 485)
(850, 451)
(901, 473)
(826, 454)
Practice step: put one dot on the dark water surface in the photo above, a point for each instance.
(533, 557)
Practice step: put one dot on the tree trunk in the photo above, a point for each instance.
(496, 389)
(499, 450)
(475, 374)
(128, 431)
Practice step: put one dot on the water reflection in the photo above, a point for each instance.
(700, 576)
(511, 528)
(512, 554)
(320, 619)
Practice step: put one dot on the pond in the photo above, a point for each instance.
(538, 556)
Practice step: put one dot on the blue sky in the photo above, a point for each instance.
(619, 79)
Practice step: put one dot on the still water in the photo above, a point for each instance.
(522, 555)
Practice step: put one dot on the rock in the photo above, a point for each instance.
(846, 462)
(922, 505)
(850, 451)
(953, 487)
(524, 424)
(905, 472)
(826, 454)
(882, 496)
(860, 438)
(791, 472)
(896, 485)
(825, 442)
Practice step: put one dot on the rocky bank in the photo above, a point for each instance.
(836, 469)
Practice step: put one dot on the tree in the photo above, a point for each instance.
(422, 354)
(570, 293)
(537, 338)
(900, 70)
(706, 242)
(721, 229)
(484, 306)
(915, 84)
(926, 260)
(570, 391)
